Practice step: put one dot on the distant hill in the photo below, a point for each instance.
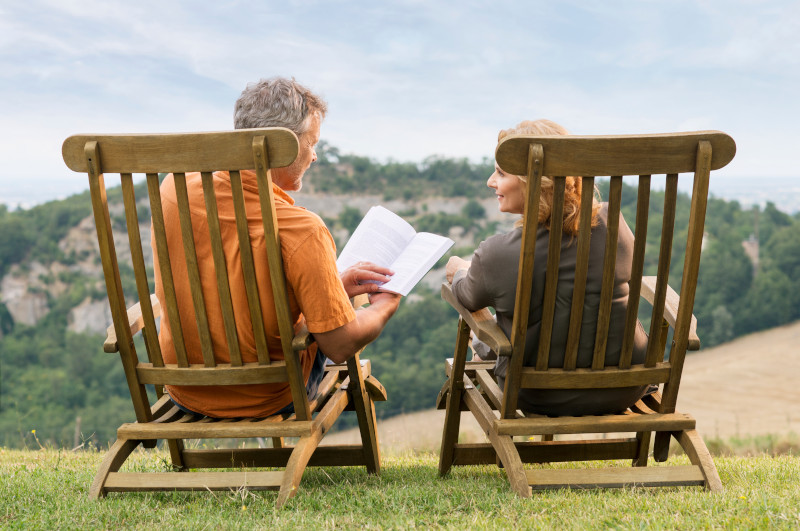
(53, 309)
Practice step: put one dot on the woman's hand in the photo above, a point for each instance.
(454, 265)
(357, 278)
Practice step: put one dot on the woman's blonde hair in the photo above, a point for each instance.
(573, 188)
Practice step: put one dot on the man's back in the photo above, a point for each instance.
(314, 288)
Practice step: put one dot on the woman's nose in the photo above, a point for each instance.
(490, 181)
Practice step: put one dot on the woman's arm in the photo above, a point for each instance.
(468, 283)
(454, 265)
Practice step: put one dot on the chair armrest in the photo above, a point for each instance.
(135, 321)
(302, 340)
(481, 323)
(671, 304)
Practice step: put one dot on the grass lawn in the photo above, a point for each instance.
(46, 489)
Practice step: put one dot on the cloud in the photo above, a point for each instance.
(404, 79)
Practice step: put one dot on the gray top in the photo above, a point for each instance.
(492, 281)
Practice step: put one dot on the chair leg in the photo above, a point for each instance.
(176, 453)
(365, 412)
(452, 418)
(277, 442)
(643, 442)
(698, 454)
(509, 456)
(296, 466)
(452, 424)
(661, 446)
(112, 462)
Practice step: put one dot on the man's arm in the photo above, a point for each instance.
(341, 344)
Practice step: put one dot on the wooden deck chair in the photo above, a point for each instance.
(471, 385)
(346, 386)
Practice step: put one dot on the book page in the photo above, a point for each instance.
(379, 238)
(417, 259)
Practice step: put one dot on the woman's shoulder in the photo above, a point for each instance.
(498, 246)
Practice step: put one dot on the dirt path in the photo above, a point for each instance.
(750, 386)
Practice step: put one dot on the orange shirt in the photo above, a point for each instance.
(316, 294)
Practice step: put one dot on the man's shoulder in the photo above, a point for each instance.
(300, 227)
(298, 217)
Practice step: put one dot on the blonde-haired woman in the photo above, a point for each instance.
(490, 279)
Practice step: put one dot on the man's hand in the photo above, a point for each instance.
(388, 302)
(453, 265)
(357, 278)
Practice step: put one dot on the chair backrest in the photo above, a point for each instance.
(179, 154)
(638, 157)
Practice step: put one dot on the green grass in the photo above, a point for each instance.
(46, 489)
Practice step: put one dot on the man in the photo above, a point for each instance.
(318, 296)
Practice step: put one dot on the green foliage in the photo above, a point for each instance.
(434, 177)
(34, 234)
(473, 210)
(408, 357)
(349, 218)
(51, 377)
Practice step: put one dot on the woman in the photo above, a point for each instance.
(491, 280)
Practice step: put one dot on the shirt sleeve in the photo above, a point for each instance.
(312, 273)
(470, 287)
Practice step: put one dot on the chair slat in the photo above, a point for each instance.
(221, 269)
(594, 379)
(686, 475)
(522, 300)
(221, 374)
(140, 271)
(637, 268)
(581, 270)
(655, 351)
(190, 254)
(248, 269)
(691, 268)
(551, 274)
(165, 268)
(269, 219)
(609, 265)
(116, 296)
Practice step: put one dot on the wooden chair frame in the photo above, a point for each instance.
(471, 386)
(347, 386)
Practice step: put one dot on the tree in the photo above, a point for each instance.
(349, 218)
(473, 210)
(721, 329)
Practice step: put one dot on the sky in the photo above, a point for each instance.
(404, 79)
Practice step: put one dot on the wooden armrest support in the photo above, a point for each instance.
(670, 309)
(481, 323)
(302, 340)
(135, 321)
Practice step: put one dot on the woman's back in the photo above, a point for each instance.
(491, 281)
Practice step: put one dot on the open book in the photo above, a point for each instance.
(387, 240)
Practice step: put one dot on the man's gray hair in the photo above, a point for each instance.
(277, 102)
